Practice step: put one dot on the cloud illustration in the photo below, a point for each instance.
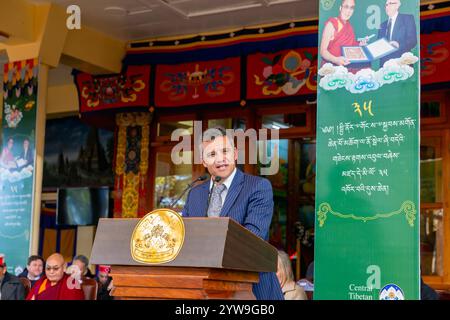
(364, 80)
(394, 70)
(14, 176)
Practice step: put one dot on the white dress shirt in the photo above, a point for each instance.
(393, 19)
(227, 184)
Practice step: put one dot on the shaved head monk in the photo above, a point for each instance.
(56, 284)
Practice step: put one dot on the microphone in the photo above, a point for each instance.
(216, 180)
(189, 186)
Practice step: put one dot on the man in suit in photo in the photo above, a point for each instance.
(399, 30)
(245, 198)
(26, 156)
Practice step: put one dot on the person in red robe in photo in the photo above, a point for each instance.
(56, 284)
(338, 32)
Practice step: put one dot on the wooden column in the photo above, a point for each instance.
(39, 164)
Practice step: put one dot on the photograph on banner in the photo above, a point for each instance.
(367, 177)
(366, 45)
(17, 160)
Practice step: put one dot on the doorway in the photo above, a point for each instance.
(292, 227)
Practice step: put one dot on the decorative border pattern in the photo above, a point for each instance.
(144, 122)
(130, 196)
(408, 207)
(225, 37)
(255, 32)
(130, 199)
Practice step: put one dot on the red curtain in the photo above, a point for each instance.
(198, 83)
(128, 89)
(282, 74)
(435, 61)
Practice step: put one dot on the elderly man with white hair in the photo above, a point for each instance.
(399, 30)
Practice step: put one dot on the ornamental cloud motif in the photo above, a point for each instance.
(394, 70)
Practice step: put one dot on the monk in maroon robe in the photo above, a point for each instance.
(338, 32)
(56, 284)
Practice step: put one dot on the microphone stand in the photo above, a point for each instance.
(189, 186)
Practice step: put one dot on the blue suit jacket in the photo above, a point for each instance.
(404, 33)
(249, 202)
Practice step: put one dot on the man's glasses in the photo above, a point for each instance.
(54, 268)
(348, 7)
(391, 3)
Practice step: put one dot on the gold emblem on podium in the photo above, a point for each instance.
(158, 237)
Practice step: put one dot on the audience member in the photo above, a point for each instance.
(34, 270)
(10, 286)
(82, 262)
(290, 289)
(426, 292)
(105, 283)
(56, 284)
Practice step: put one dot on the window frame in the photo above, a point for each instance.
(442, 282)
(435, 96)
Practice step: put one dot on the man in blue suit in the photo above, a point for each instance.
(246, 199)
(399, 30)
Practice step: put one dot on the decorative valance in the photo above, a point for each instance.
(198, 83)
(282, 74)
(241, 66)
(435, 57)
(105, 92)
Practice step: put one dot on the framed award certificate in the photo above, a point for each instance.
(376, 50)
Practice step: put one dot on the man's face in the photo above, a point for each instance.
(81, 266)
(26, 144)
(346, 10)
(54, 270)
(10, 143)
(102, 277)
(35, 268)
(392, 7)
(219, 157)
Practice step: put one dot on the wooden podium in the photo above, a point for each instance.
(219, 259)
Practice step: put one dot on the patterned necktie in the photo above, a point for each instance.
(388, 29)
(215, 206)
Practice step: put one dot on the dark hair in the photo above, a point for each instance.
(83, 259)
(212, 133)
(34, 258)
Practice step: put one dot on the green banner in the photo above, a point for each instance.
(17, 161)
(367, 187)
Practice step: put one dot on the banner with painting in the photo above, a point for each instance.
(367, 187)
(17, 161)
